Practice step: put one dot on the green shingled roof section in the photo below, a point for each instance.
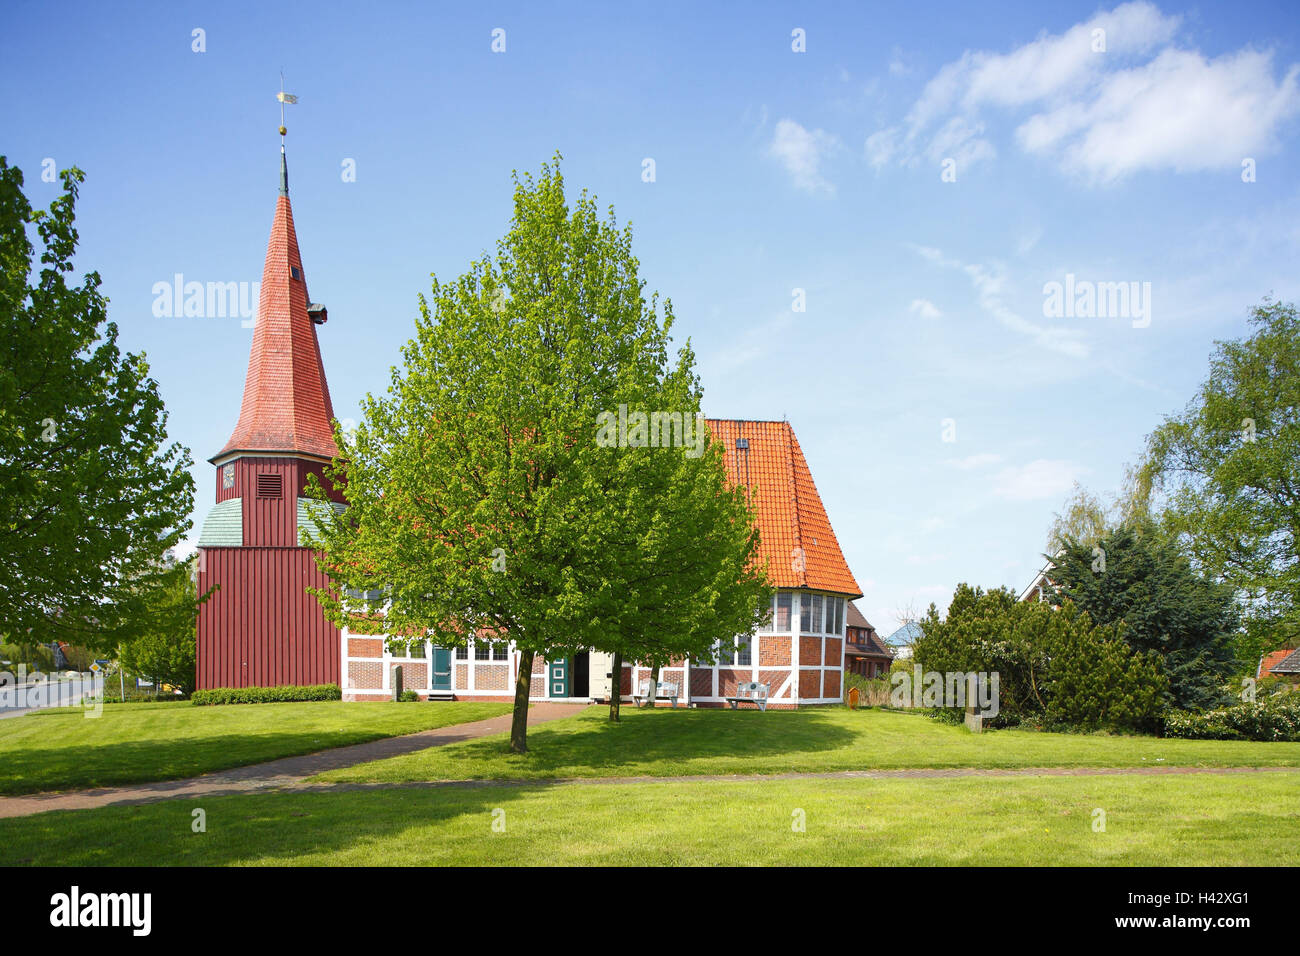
(224, 525)
(305, 520)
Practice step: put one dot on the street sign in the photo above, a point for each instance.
(100, 666)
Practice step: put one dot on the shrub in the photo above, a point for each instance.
(266, 695)
(1275, 718)
(872, 692)
(408, 695)
(1055, 666)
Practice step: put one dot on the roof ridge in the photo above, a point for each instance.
(797, 521)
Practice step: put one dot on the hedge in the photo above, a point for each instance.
(265, 695)
(1276, 718)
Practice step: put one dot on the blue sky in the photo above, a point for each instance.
(775, 170)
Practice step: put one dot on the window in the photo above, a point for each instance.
(270, 486)
(765, 626)
(783, 601)
(295, 272)
(482, 651)
(500, 651)
(805, 613)
(839, 615)
(817, 613)
(462, 653)
(744, 651)
(416, 649)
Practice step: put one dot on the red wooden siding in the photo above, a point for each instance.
(262, 628)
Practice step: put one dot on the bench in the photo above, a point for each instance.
(664, 690)
(750, 692)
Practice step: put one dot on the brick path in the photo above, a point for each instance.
(274, 774)
(291, 773)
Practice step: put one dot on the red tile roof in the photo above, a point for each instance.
(1272, 663)
(286, 404)
(797, 541)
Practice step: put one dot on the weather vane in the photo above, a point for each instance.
(283, 97)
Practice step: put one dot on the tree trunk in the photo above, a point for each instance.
(615, 686)
(519, 722)
(654, 684)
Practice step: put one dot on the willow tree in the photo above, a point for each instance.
(477, 493)
(1228, 464)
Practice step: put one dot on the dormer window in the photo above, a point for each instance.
(295, 272)
(270, 486)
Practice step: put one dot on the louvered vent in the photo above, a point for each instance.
(270, 486)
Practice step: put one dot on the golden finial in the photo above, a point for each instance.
(283, 97)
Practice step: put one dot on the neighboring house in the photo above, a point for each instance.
(901, 641)
(865, 651)
(1284, 663)
(1037, 587)
(262, 628)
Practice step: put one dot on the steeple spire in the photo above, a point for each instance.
(286, 406)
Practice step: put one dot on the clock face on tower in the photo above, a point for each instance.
(228, 476)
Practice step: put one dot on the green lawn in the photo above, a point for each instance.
(134, 743)
(675, 743)
(1183, 820)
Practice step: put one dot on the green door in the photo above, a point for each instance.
(441, 669)
(558, 676)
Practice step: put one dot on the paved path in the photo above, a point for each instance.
(275, 774)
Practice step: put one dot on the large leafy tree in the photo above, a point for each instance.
(675, 573)
(93, 494)
(479, 499)
(1230, 467)
(1142, 580)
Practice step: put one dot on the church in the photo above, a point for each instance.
(263, 628)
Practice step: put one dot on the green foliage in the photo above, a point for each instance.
(1055, 667)
(479, 498)
(1083, 519)
(872, 691)
(1142, 580)
(407, 696)
(1095, 680)
(1229, 465)
(166, 652)
(1274, 718)
(92, 498)
(33, 656)
(265, 695)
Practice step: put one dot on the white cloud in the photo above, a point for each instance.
(1142, 104)
(801, 152)
(925, 309)
(1042, 478)
(971, 462)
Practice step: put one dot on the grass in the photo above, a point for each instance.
(677, 743)
(133, 743)
(1192, 820)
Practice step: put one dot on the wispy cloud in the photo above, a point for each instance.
(1107, 98)
(989, 281)
(925, 309)
(801, 152)
(1039, 479)
(971, 462)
